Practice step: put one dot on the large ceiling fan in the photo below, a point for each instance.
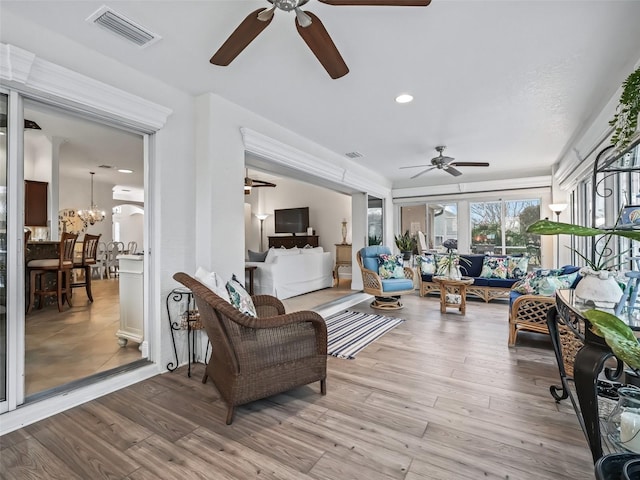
(447, 164)
(309, 27)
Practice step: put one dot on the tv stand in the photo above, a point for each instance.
(293, 241)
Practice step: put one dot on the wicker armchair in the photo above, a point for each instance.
(529, 312)
(386, 291)
(253, 358)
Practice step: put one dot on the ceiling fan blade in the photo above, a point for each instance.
(382, 3)
(422, 172)
(262, 183)
(414, 166)
(320, 43)
(469, 164)
(452, 171)
(242, 36)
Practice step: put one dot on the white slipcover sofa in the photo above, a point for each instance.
(289, 272)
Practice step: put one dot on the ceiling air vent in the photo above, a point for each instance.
(117, 23)
(354, 155)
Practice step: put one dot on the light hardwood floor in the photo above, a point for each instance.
(439, 397)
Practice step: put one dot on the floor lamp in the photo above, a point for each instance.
(262, 217)
(558, 208)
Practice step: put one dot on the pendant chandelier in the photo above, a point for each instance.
(92, 215)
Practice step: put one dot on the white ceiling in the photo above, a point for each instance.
(509, 82)
(87, 146)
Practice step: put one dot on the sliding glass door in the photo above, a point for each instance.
(3, 248)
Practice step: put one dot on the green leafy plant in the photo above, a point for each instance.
(617, 334)
(602, 260)
(406, 242)
(375, 240)
(625, 120)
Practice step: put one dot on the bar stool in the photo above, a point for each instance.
(62, 266)
(89, 259)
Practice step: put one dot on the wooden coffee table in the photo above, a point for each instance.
(450, 285)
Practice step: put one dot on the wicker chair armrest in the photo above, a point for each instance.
(531, 305)
(409, 273)
(371, 279)
(269, 302)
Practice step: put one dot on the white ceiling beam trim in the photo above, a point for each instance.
(27, 73)
(295, 159)
(473, 187)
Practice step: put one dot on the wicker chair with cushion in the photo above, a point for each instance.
(253, 358)
(386, 290)
(529, 311)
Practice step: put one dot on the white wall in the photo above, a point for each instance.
(220, 154)
(131, 221)
(327, 209)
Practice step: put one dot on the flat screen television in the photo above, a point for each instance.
(291, 220)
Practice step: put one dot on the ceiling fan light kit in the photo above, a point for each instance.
(309, 27)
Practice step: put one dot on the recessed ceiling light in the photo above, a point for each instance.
(404, 98)
(125, 170)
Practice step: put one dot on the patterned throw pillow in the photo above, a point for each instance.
(390, 266)
(517, 267)
(240, 298)
(494, 267)
(544, 282)
(427, 264)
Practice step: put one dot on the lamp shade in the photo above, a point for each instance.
(558, 208)
(261, 216)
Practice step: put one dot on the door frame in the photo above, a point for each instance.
(23, 74)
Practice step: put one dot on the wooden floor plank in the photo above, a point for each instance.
(440, 397)
(30, 460)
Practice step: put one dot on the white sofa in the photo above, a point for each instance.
(289, 272)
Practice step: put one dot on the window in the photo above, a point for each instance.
(501, 227)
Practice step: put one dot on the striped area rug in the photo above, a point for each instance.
(349, 332)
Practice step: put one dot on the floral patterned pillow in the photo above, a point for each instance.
(390, 266)
(240, 298)
(517, 267)
(427, 264)
(544, 282)
(494, 267)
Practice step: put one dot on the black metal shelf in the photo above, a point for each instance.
(188, 319)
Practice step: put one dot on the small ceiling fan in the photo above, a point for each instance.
(447, 164)
(250, 183)
(309, 27)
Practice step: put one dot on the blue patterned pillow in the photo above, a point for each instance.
(494, 267)
(544, 282)
(427, 264)
(390, 266)
(517, 267)
(240, 298)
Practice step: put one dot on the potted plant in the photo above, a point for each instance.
(599, 283)
(623, 424)
(406, 243)
(449, 265)
(625, 120)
